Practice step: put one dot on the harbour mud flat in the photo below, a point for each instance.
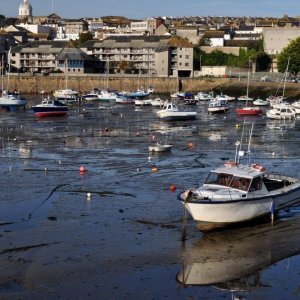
(114, 230)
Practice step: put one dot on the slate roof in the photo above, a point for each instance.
(152, 41)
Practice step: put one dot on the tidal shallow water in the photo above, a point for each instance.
(116, 230)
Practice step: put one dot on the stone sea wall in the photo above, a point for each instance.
(83, 84)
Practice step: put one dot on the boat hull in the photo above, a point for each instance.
(160, 148)
(42, 114)
(218, 110)
(243, 111)
(177, 116)
(45, 111)
(211, 214)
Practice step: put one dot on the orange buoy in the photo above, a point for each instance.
(190, 145)
(172, 188)
(154, 169)
(82, 169)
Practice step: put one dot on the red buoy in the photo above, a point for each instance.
(172, 188)
(82, 169)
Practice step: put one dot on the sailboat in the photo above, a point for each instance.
(104, 94)
(66, 95)
(248, 110)
(8, 100)
(282, 110)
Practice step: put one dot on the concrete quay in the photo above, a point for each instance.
(83, 84)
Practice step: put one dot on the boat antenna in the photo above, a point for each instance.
(249, 143)
(237, 144)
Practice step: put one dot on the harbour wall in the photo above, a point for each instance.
(83, 84)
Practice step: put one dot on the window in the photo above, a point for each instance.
(240, 183)
(218, 178)
(187, 57)
(256, 184)
(187, 64)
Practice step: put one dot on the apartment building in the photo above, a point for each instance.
(148, 55)
(47, 56)
(147, 26)
(275, 39)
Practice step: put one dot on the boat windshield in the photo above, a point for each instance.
(219, 178)
(240, 183)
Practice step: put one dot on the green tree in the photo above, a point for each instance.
(263, 61)
(290, 53)
(83, 37)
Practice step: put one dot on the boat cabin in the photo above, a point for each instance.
(233, 181)
(251, 180)
(170, 106)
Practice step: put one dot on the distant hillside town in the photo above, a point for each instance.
(156, 46)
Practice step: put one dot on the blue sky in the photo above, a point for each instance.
(139, 8)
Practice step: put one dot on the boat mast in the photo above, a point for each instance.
(66, 64)
(2, 73)
(239, 145)
(248, 80)
(9, 54)
(285, 76)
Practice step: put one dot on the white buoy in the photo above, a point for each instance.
(88, 196)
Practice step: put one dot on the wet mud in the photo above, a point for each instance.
(116, 229)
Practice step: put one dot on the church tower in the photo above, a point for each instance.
(25, 10)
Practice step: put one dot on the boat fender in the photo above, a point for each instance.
(258, 167)
(187, 194)
(230, 164)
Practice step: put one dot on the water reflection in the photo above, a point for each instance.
(280, 125)
(234, 259)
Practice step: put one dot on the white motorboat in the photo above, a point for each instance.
(12, 101)
(124, 100)
(235, 193)
(224, 97)
(218, 106)
(296, 106)
(170, 112)
(91, 96)
(260, 102)
(158, 147)
(66, 95)
(245, 98)
(281, 111)
(142, 102)
(157, 102)
(202, 96)
(107, 96)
